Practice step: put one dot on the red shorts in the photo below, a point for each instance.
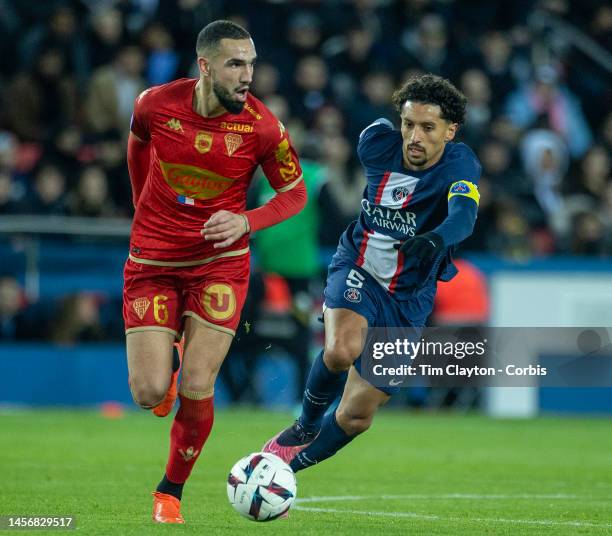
(158, 297)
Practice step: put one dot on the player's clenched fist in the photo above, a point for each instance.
(424, 246)
(225, 226)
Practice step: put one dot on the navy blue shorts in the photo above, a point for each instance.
(350, 287)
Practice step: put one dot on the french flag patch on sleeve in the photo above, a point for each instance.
(185, 200)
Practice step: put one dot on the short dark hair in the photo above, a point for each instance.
(211, 35)
(432, 89)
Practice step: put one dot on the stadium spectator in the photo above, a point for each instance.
(545, 95)
(511, 238)
(342, 191)
(303, 36)
(106, 36)
(588, 236)
(61, 33)
(14, 324)
(184, 19)
(41, 100)
(606, 132)
(50, 190)
(495, 55)
(605, 208)
(266, 80)
(595, 172)
(162, 58)
(12, 185)
(92, 198)
(544, 157)
(351, 57)
(476, 87)
(68, 148)
(427, 47)
(78, 320)
(372, 101)
(310, 89)
(112, 91)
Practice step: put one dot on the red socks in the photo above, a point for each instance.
(190, 430)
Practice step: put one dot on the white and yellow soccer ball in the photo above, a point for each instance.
(261, 487)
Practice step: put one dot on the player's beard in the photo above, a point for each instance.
(418, 159)
(225, 98)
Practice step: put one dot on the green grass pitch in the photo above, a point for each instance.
(410, 474)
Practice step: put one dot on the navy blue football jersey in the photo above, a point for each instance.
(399, 204)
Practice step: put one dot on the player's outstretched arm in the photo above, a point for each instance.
(138, 159)
(226, 227)
(463, 202)
(458, 225)
(281, 207)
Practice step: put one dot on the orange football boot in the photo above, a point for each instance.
(166, 405)
(166, 509)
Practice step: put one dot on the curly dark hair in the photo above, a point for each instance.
(432, 89)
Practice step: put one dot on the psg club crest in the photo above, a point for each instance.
(399, 193)
(352, 295)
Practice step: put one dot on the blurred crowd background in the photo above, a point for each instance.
(536, 74)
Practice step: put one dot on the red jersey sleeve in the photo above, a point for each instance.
(140, 124)
(278, 158)
(281, 166)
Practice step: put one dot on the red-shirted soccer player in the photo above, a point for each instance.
(193, 148)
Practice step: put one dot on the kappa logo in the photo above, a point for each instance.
(203, 141)
(188, 454)
(175, 124)
(232, 142)
(353, 295)
(141, 305)
(400, 193)
(219, 301)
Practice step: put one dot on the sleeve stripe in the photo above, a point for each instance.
(472, 191)
(290, 185)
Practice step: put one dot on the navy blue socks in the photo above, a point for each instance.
(330, 440)
(322, 388)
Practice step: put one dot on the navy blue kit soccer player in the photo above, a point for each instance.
(420, 202)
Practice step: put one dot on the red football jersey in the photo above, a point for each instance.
(198, 166)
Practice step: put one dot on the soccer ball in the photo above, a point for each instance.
(261, 486)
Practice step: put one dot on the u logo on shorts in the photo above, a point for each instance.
(219, 301)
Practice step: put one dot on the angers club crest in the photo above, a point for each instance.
(141, 305)
(232, 142)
